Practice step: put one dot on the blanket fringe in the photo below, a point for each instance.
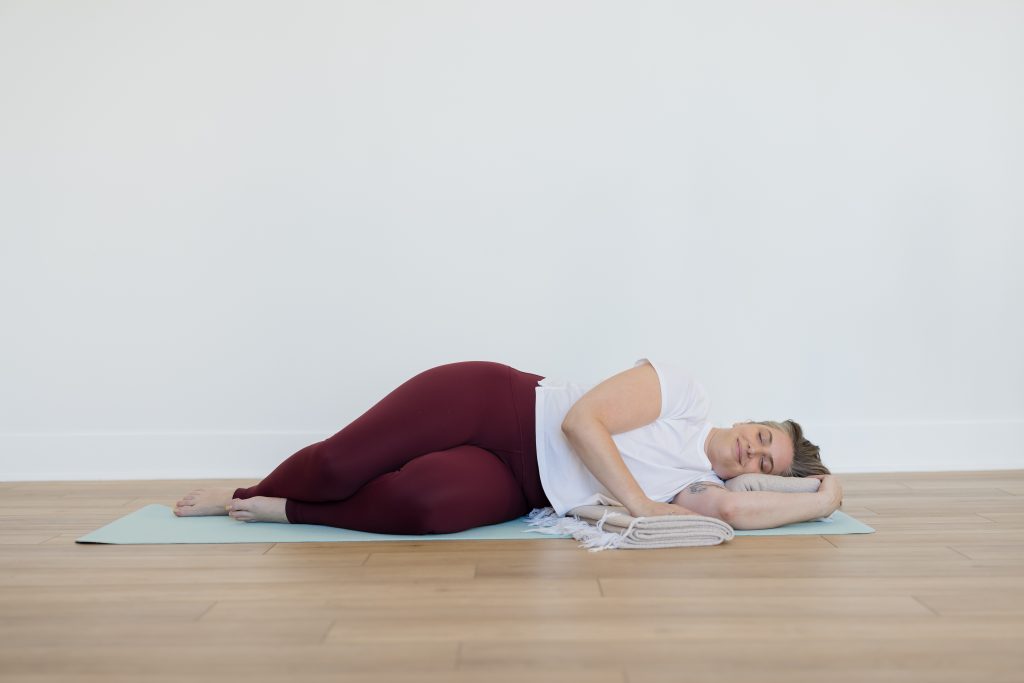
(593, 536)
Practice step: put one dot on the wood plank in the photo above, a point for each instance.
(81, 576)
(225, 659)
(846, 569)
(976, 551)
(23, 538)
(45, 503)
(977, 602)
(591, 675)
(182, 562)
(891, 672)
(943, 506)
(174, 610)
(931, 535)
(115, 553)
(966, 483)
(398, 589)
(540, 622)
(1009, 517)
(730, 660)
(131, 633)
(501, 607)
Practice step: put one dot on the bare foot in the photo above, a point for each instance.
(201, 502)
(258, 509)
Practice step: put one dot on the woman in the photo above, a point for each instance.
(476, 443)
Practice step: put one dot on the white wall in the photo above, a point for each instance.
(229, 228)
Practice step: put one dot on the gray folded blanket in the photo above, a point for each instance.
(610, 525)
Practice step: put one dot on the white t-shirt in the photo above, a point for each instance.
(664, 456)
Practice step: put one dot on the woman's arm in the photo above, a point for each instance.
(623, 402)
(761, 509)
(769, 509)
(595, 447)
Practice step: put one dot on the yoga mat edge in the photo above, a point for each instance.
(158, 525)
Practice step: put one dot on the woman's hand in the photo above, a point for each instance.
(651, 508)
(830, 491)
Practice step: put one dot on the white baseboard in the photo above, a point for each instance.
(866, 446)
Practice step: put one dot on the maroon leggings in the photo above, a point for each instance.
(450, 449)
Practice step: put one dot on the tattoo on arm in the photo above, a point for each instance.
(699, 487)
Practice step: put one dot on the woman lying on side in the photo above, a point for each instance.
(476, 443)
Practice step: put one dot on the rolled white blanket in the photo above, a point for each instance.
(611, 526)
(752, 481)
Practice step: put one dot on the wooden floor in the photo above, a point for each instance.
(936, 594)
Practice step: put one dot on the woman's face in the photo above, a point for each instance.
(750, 448)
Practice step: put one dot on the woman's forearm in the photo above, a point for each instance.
(769, 509)
(595, 447)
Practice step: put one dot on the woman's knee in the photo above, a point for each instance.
(459, 489)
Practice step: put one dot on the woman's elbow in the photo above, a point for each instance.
(726, 511)
(738, 513)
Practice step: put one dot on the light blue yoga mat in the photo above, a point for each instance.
(155, 524)
(835, 525)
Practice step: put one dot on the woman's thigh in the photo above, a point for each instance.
(450, 405)
(437, 493)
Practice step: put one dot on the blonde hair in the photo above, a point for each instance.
(806, 455)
